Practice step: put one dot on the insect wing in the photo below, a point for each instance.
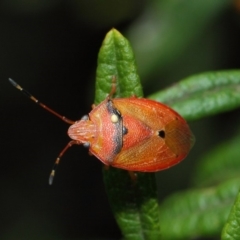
(157, 137)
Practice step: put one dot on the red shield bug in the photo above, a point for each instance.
(135, 134)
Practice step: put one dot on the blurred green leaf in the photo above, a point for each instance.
(220, 164)
(201, 212)
(134, 204)
(231, 230)
(169, 27)
(203, 95)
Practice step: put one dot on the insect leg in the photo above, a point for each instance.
(52, 174)
(133, 176)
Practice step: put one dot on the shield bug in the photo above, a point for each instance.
(135, 134)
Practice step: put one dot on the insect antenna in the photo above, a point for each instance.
(29, 95)
(52, 174)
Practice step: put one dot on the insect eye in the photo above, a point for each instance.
(85, 117)
(86, 145)
(161, 134)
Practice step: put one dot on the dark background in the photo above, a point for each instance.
(50, 48)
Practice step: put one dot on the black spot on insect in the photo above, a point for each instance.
(161, 134)
(125, 130)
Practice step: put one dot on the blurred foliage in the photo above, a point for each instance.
(231, 229)
(198, 212)
(219, 164)
(170, 26)
(53, 45)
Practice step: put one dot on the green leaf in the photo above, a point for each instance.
(203, 95)
(134, 202)
(201, 212)
(220, 164)
(231, 230)
(116, 58)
